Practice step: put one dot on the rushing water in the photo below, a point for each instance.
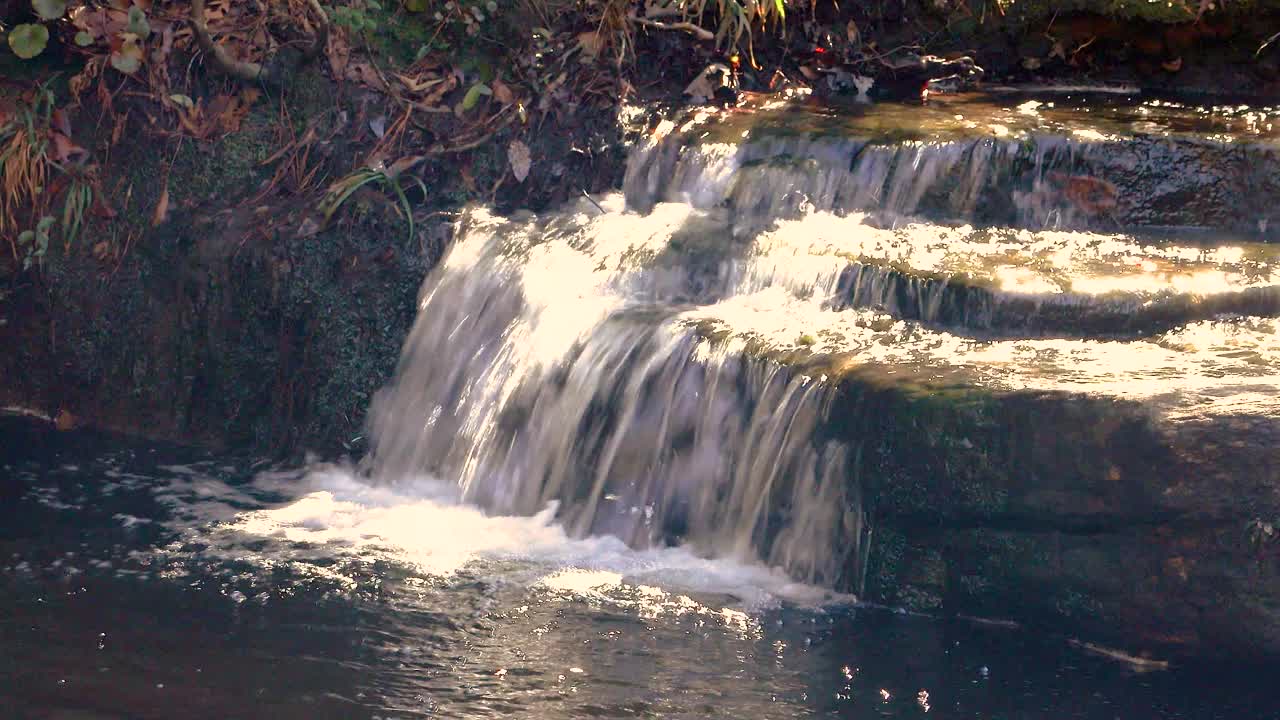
(144, 583)
(615, 474)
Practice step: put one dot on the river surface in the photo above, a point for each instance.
(643, 452)
(146, 582)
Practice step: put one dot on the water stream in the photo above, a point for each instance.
(621, 472)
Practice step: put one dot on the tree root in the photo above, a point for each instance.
(251, 71)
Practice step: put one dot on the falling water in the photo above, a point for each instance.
(552, 362)
(661, 365)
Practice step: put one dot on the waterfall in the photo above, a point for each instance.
(556, 361)
(662, 364)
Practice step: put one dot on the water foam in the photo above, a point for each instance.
(329, 524)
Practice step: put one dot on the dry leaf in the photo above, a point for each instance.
(64, 149)
(65, 421)
(518, 155)
(591, 44)
(162, 208)
(854, 35)
(502, 92)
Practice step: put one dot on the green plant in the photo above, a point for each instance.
(737, 18)
(24, 160)
(35, 242)
(34, 145)
(386, 177)
(358, 18)
(121, 38)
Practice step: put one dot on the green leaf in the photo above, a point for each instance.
(373, 5)
(138, 24)
(782, 11)
(84, 38)
(474, 94)
(49, 9)
(182, 101)
(415, 5)
(45, 223)
(126, 64)
(28, 40)
(26, 237)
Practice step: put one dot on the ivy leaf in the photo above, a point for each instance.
(49, 9)
(138, 24)
(84, 38)
(473, 95)
(28, 40)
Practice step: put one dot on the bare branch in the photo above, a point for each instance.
(698, 32)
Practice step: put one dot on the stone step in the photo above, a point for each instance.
(1003, 159)
(1128, 490)
(998, 281)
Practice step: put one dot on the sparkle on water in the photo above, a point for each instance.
(604, 480)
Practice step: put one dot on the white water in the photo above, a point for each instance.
(327, 528)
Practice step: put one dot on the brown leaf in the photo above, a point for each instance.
(518, 156)
(161, 214)
(64, 149)
(591, 44)
(65, 421)
(419, 84)
(502, 92)
(59, 120)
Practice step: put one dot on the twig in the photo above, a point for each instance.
(1267, 44)
(593, 202)
(698, 32)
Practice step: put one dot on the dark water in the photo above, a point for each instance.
(145, 582)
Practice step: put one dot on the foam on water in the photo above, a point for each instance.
(331, 525)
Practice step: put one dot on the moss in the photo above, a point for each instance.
(884, 562)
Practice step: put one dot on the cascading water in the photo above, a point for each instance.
(557, 362)
(663, 407)
(662, 365)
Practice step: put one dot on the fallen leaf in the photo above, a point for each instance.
(379, 126)
(502, 92)
(64, 149)
(417, 85)
(61, 122)
(182, 101)
(162, 208)
(518, 155)
(101, 250)
(855, 36)
(591, 44)
(64, 421)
